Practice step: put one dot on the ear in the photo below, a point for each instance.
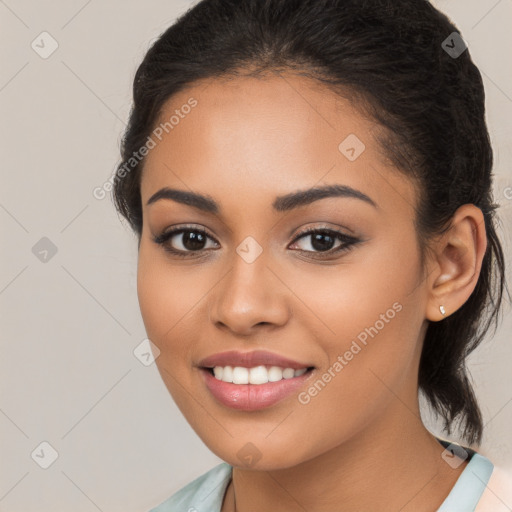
(456, 260)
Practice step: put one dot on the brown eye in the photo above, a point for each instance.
(320, 241)
(183, 240)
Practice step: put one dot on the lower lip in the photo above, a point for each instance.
(251, 397)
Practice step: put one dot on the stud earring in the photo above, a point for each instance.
(443, 311)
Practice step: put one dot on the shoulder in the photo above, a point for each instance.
(497, 496)
(204, 494)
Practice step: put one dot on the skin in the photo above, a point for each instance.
(247, 141)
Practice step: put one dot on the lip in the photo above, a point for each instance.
(252, 397)
(250, 359)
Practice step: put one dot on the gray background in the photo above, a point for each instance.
(70, 320)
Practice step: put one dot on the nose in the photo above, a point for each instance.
(250, 296)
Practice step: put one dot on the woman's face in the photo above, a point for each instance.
(357, 315)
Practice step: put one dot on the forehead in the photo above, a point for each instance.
(261, 136)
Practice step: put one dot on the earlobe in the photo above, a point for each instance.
(458, 259)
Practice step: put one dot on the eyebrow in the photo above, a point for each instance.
(281, 203)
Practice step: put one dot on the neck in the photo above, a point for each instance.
(394, 464)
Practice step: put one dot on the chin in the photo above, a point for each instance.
(260, 455)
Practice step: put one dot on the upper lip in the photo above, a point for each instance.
(250, 359)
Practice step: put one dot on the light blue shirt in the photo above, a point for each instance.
(206, 493)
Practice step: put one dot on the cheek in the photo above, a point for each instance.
(376, 316)
(361, 295)
(166, 296)
(164, 304)
(155, 301)
(366, 318)
(165, 299)
(350, 392)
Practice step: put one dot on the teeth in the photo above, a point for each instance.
(288, 373)
(256, 375)
(240, 375)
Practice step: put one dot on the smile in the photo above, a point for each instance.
(255, 375)
(247, 396)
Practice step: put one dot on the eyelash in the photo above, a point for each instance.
(348, 241)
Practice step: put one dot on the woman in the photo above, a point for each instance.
(310, 185)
